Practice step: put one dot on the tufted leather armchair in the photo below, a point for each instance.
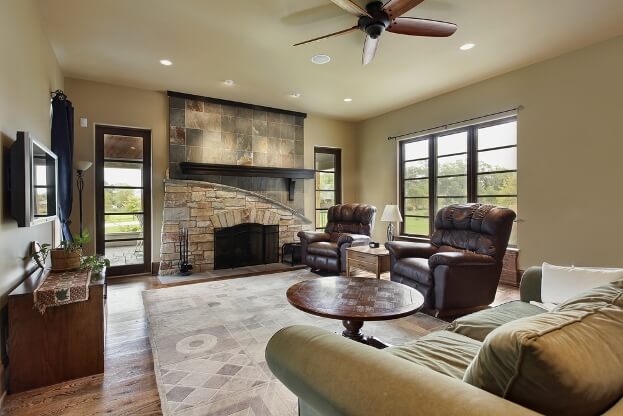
(348, 225)
(460, 268)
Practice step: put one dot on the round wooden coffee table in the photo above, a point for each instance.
(355, 300)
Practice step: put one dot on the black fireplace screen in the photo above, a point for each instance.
(245, 245)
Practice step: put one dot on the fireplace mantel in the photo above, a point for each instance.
(290, 174)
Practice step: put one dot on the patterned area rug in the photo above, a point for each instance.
(208, 342)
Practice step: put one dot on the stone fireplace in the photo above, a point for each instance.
(259, 144)
(202, 206)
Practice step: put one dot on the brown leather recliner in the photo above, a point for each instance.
(460, 267)
(348, 225)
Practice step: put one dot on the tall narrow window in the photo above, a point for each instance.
(476, 163)
(327, 163)
(123, 198)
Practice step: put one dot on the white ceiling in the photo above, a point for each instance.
(249, 41)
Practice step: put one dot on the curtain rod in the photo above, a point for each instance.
(520, 107)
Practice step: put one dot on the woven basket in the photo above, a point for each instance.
(65, 260)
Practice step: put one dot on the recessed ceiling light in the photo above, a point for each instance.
(166, 62)
(295, 95)
(467, 46)
(229, 82)
(348, 100)
(320, 59)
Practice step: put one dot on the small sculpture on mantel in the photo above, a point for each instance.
(184, 266)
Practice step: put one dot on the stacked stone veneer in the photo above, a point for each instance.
(203, 206)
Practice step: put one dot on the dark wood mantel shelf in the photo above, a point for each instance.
(291, 174)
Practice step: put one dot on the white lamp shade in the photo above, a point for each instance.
(82, 165)
(391, 213)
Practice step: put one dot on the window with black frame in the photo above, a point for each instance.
(475, 163)
(328, 189)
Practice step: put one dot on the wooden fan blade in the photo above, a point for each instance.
(369, 49)
(341, 32)
(351, 7)
(396, 8)
(421, 27)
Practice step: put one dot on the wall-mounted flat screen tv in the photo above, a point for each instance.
(33, 181)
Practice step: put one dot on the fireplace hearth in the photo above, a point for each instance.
(246, 244)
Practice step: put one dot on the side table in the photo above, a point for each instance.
(375, 260)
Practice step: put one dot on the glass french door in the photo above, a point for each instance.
(327, 164)
(123, 198)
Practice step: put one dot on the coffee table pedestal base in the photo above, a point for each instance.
(353, 331)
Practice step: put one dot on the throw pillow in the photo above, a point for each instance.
(561, 283)
(566, 362)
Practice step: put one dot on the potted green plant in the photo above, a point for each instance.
(96, 264)
(67, 256)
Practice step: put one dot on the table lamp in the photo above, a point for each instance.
(391, 214)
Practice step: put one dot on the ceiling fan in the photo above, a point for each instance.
(378, 18)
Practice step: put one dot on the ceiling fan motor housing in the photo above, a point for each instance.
(374, 26)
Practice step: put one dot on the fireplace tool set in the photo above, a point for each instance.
(184, 266)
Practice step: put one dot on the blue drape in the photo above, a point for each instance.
(63, 146)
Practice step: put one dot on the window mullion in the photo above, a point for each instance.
(432, 182)
(472, 164)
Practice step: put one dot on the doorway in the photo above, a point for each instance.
(123, 198)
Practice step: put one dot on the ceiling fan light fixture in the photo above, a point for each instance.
(321, 59)
(467, 46)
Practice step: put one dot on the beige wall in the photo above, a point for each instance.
(320, 131)
(119, 106)
(570, 139)
(28, 72)
(116, 105)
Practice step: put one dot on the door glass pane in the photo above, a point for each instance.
(321, 219)
(452, 165)
(416, 150)
(325, 199)
(452, 143)
(325, 181)
(416, 206)
(123, 174)
(124, 226)
(418, 187)
(416, 169)
(123, 200)
(122, 253)
(325, 162)
(454, 186)
(497, 184)
(416, 225)
(497, 136)
(123, 147)
(494, 160)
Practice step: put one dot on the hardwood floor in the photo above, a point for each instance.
(128, 385)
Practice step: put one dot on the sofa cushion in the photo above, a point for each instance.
(561, 283)
(445, 352)
(573, 354)
(323, 248)
(414, 268)
(479, 324)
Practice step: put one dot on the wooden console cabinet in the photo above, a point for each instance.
(64, 343)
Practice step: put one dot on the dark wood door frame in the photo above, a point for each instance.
(100, 131)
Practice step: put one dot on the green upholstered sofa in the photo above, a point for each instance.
(514, 359)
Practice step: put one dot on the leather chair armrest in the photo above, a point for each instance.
(402, 249)
(353, 239)
(313, 236)
(459, 258)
